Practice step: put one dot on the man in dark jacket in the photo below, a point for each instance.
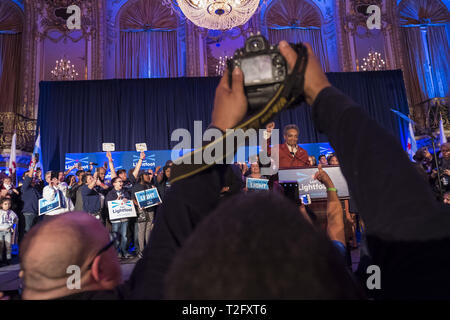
(30, 198)
(91, 198)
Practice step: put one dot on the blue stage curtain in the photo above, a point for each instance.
(78, 116)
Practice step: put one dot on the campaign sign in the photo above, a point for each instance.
(141, 147)
(108, 146)
(307, 184)
(46, 206)
(119, 210)
(148, 198)
(257, 184)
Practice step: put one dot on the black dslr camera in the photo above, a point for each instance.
(264, 68)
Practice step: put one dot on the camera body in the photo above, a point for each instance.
(264, 69)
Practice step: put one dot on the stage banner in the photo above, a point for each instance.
(158, 158)
(148, 198)
(308, 185)
(46, 206)
(257, 184)
(118, 209)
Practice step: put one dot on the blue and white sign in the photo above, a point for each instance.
(257, 184)
(148, 198)
(154, 158)
(307, 183)
(118, 209)
(46, 206)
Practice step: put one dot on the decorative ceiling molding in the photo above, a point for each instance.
(418, 12)
(358, 17)
(11, 17)
(54, 17)
(146, 15)
(293, 13)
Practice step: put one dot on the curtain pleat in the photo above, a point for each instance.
(150, 54)
(10, 56)
(311, 36)
(420, 85)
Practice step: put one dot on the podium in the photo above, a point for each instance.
(303, 179)
(300, 181)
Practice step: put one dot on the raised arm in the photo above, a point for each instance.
(387, 189)
(111, 165)
(138, 165)
(335, 214)
(70, 169)
(406, 227)
(93, 182)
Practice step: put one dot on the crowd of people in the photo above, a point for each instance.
(210, 240)
(435, 169)
(86, 191)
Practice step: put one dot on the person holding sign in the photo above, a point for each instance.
(120, 226)
(145, 214)
(255, 181)
(56, 187)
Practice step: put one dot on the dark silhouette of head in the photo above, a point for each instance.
(258, 246)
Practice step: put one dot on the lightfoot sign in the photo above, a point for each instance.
(46, 206)
(118, 209)
(257, 184)
(308, 185)
(148, 198)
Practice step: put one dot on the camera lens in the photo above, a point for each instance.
(256, 45)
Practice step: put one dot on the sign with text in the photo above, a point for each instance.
(257, 184)
(148, 198)
(46, 206)
(307, 184)
(141, 147)
(108, 147)
(118, 209)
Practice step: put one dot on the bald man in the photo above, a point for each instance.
(74, 239)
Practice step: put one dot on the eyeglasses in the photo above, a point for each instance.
(114, 237)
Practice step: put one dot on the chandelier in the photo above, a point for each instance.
(217, 14)
(373, 62)
(64, 70)
(221, 65)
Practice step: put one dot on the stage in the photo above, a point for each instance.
(78, 116)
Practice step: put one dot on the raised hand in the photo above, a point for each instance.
(230, 104)
(270, 126)
(315, 78)
(323, 177)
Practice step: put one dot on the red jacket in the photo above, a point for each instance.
(286, 160)
(300, 159)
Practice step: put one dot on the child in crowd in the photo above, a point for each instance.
(7, 231)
